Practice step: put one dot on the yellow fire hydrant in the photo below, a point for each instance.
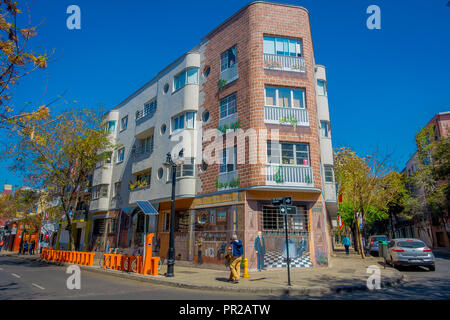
(245, 275)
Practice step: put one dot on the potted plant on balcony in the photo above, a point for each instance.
(292, 120)
(221, 84)
(308, 179)
(278, 176)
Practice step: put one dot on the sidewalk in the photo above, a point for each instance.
(344, 274)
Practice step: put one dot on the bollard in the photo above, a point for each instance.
(245, 275)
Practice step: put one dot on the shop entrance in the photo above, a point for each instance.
(273, 230)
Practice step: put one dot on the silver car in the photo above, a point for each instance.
(372, 245)
(409, 252)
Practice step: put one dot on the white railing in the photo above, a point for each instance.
(230, 74)
(283, 63)
(278, 115)
(285, 175)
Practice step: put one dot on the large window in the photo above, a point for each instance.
(328, 173)
(228, 160)
(274, 222)
(111, 126)
(228, 59)
(282, 46)
(188, 76)
(146, 145)
(288, 153)
(184, 121)
(228, 106)
(285, 97)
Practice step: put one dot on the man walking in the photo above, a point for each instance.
(260, 249)
(25, 247)
(32, 248)
(346, 242)
(1, 244)
(235, 265)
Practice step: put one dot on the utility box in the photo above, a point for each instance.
(382, 248)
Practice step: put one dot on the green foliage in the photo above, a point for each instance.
(221, 84)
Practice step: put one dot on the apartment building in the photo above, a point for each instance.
(432, 231)
(246, 114)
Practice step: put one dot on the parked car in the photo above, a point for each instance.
(410, 252)
(372, 244)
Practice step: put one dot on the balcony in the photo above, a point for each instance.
(230, 74)
(284, 63)
(284, 175)
(279, 115)
(140, 158)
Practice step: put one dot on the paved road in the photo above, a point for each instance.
(419, 283)
(21, 279)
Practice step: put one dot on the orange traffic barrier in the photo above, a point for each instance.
(75, 257)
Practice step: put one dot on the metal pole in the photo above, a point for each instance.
(171, 259)
(287, 250)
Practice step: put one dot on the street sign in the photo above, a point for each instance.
(277, 201)
(287, 201)
(289, 210)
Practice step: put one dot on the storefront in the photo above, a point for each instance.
(103, 230)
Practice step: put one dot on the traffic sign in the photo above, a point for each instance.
(290, 210)
(277, 201)
(287, 201)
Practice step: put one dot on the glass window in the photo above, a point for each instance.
(180, 80)
(328, 173)
(321, 90)
(190, 120)
(228, 59)
(288, 153)
(228, 160)
(269, 45)
(228, 106)
(192, 75)
(103, 191)
(120, 154)
(285, 97)
(324, 128)
(271, 96)
(186, 120)
(111, 126)
(124, 123)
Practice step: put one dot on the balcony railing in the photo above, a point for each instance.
(138, 152)
(278, 115)
(284, 63)
(144, 113)
(284, 175)
(230, 74)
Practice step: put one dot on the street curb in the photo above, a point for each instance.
(294, 290)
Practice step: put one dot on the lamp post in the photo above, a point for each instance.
(171, 260)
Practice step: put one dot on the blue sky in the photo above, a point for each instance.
(383, 85)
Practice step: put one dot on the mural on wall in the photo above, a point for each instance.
(320, 242)
(260, 250)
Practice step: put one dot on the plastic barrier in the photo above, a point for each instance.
(75, 257)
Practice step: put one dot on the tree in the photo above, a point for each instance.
(16, 61)
(368, 187)
(61, 156)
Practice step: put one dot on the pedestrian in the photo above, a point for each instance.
(25, 247)
(237, 251)
(1, 244)
(199, 244)
(260, 249)
(346, 242)
(20, 247)
(32, 248)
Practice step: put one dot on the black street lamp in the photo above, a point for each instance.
(171, 259)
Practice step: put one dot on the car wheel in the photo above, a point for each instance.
(432, 268)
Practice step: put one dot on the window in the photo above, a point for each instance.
(328, 173)
(228, 59)
(272, 221)
(111, 127)
(324, 129)
(228, 106)
(282, 46)
(163, 129)
(184, 170)
(150, 108)
(166, 88)
(100, 191)
(120, 155)
(184, 121)
(321, 88)
(143, 179)
(188, 76)
(285, 97)
(117, 189)
(160, 173)
(124, 123)
(228, 160)
(146, 145)
(288, 153)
